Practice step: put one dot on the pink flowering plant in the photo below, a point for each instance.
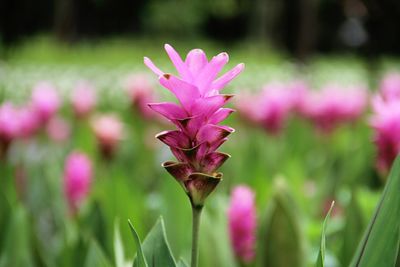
(197, 117)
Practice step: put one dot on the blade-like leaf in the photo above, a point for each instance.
(95, 256)
(182, 263)
(140, 261)
(282, 232)
(321, 253)
(119, 247)
(156, 248)
(380, 243)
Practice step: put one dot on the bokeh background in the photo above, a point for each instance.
(295, 172)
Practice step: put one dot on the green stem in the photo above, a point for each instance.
(196, 212)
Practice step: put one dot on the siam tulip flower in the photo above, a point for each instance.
(83, 99)
(29, 122)
(243, 223)
(386, 123)
(109, 131)
(140, 92)
(58, 129)
(333, 106)
(270, 109)
(9, 126)
(298, 91)
(197, 117)
(390, 86)
(45, 101)
(77, 179)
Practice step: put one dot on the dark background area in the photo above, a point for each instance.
(301, 27)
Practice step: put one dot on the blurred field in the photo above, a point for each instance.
(313, 168)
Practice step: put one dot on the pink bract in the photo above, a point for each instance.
(243, 223)
(140, 92)
(197, 117)
(45, 101)
(83, 99)
(77, 179)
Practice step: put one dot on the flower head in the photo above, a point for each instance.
(9, 122)
(269, 109)
(29, 122)
(77, 179)
(83, 99)
(109, 131)
(333, 105)
(390, 86)
(140, 92)
(242, 223)
(45, 101)
(386, 123)
(197, 118)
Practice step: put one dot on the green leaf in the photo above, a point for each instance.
(352, 231)
(95, 256)
(182, 263)
(140, 261)
(118, 247)
(282, 232)
(156, 248)
(321, 253)
(380, 243)
(16, 251)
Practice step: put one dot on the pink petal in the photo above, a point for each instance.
(220, 83)
(212, 161)
(176, 139)
(169, 110)
(178, 63)
(220, 115)
(196, 60)
(211, 133)
(179, 170)
(209, 105)
(152, 67)
(185, 92)
(210, 72)
(190, 125)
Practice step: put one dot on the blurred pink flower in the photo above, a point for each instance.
(140, 92)
(58, 129)
(390, 86)
(386, 123)
(333, 105)
(242, 223)
(45, 101)
(269, 109)
(29, 122)
(9, 122)
(109, 131)
(197, 117)
(83, 99)
(77, 179)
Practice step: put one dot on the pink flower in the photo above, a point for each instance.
(109, 131)
(29, 122)
(386, 123)
(332, 106)
(270, 109)
(243, 223)
(77, 179)
(197, 117)
(83, 99)
(390, 86)
(9, 122)
(45, 101)
(140, 92)
(58, 129)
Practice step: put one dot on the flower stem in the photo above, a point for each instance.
(196, 213)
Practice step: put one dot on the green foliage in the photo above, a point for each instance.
(155, 247)
(282, 232)
(321, 253)
(96, 257)
(380, 244)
